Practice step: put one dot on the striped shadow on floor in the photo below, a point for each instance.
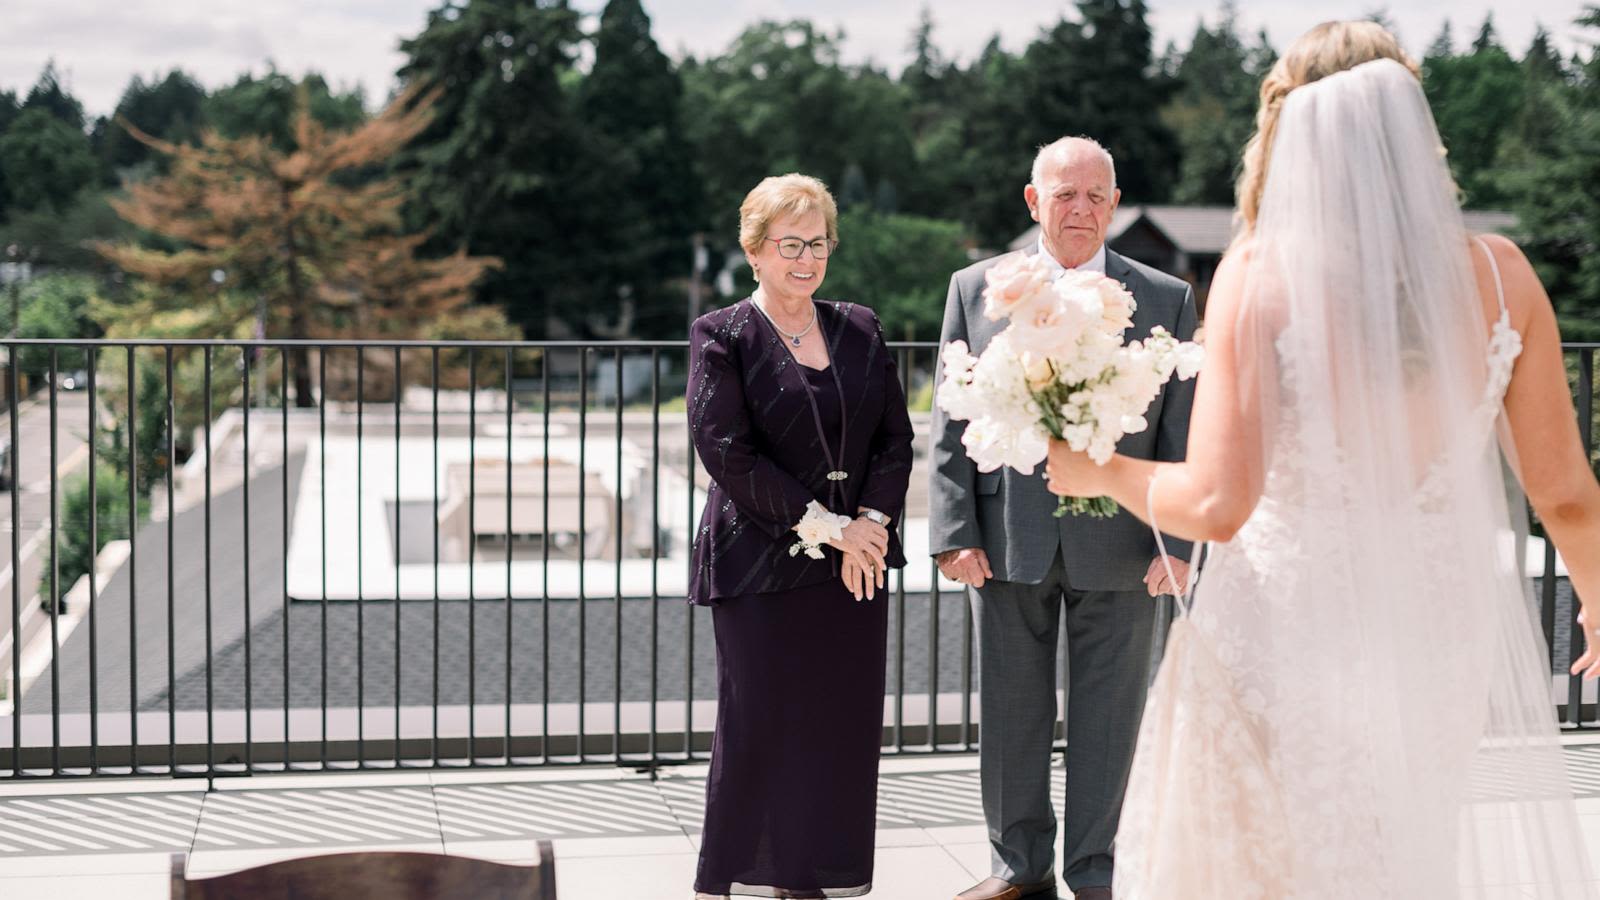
(268, 817)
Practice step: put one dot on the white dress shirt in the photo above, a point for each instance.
(1095, 263)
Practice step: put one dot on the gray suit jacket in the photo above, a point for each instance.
(1009, 514)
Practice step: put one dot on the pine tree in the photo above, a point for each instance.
(46, 160)
(507, 168)
(1098, 76)
(1556, 194)
(299, 251)
(1213, 111)
(1444, 44)
(266, 106)
(169, 108)
(642, 240)
(1475, 98)
(49, 95)
(999, 137)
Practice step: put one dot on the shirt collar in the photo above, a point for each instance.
(1095, 263)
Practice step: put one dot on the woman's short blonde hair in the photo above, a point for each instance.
(1328, 48)
(783, 195)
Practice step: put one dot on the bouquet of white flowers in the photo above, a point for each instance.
(1059, 369)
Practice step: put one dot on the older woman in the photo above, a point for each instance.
(796, 410)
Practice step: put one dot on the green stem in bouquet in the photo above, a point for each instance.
(1049, 400)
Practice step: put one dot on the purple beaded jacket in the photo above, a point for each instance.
(756, 429)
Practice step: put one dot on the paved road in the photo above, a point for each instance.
(33, 496)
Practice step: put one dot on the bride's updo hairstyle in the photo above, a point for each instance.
(1328, 48)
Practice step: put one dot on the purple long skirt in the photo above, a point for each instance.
(791, 802)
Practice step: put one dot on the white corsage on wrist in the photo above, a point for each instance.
(817, 527)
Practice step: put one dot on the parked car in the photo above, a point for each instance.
(75, 380)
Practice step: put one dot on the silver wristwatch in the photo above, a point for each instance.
(872, 515)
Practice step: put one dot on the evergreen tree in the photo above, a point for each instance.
(1213, 111)
(1098, 76)
(1556, 191)
(1475, 98)
(632, 98)
(779, 100)
(49, 95)
(46, 160)
(267, 106)
(169, 108)
(507, 168)
(1444, 44)
(939, 96)
(999, 138)
(9, 110)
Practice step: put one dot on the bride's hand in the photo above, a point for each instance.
(1589, 663)
(1072, 473)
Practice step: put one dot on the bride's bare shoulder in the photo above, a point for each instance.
(1241, 284)
(1525, 295)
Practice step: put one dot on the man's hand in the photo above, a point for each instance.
(1157, 582)
(969, 566)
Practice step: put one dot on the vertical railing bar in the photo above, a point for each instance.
(900, 608)
(583, 536)
(322, 508)
(13, 470)
(688, 609)
(133, 563)
(210, 681)
(94, 552)
(510, 394)
(1585, 411)
(361, 595)
(655, 542)
(472, 556)
(172, 670)
(245, 353)
(966, 666)
(398, 399)
(434, 382)
(616, 611)
(933, 663)
(55, 570)
(544, 568)
(283, 522)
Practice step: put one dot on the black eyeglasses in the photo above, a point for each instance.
(792, 247)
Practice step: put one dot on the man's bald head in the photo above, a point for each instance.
(1068, 150)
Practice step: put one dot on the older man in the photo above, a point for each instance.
(1028, 571)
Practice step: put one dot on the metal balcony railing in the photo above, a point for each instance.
(229, 557)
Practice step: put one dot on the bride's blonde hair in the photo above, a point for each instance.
(1328, 48)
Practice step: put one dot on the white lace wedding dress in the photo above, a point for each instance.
(1357, 704)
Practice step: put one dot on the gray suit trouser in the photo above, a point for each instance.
(1110, 636)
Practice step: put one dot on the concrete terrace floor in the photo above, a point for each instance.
(617, 833)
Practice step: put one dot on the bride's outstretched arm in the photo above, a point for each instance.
(1211, 494)
(1549, 453)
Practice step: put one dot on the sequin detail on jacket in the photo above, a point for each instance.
(754, 432)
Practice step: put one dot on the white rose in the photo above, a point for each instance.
(817, 527)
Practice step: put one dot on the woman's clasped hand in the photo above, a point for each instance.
(864, 545)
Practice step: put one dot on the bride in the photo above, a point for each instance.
(1359, 703)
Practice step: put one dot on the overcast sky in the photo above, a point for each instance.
(100, 44)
